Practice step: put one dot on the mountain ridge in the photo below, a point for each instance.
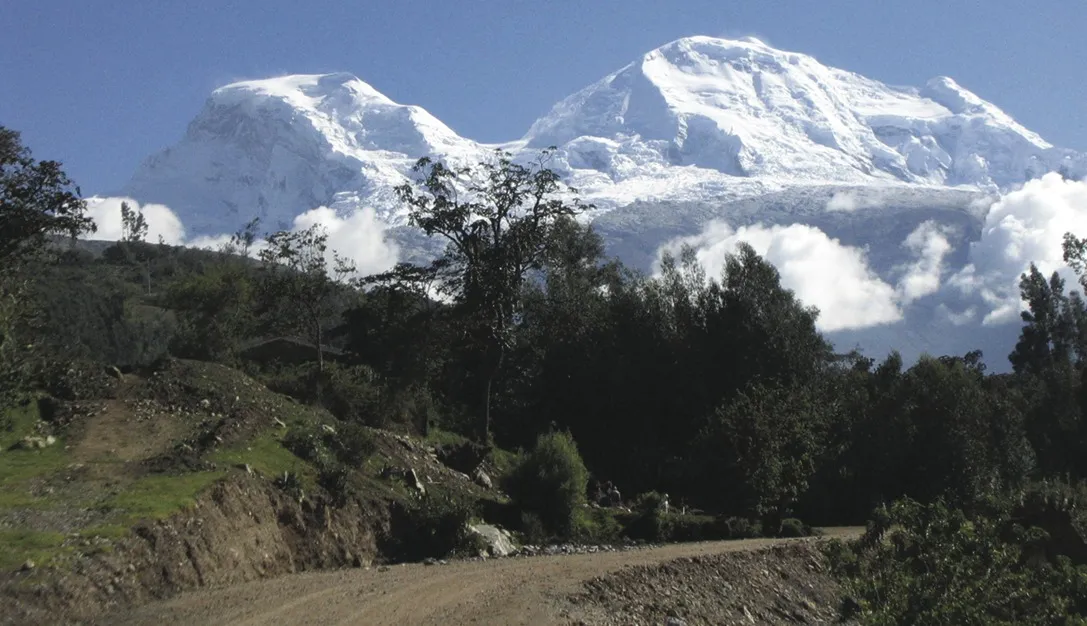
(697, 118)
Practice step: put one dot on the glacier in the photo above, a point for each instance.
(699, 132)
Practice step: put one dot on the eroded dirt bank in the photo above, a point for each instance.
(243, 529)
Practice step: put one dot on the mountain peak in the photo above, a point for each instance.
(743, 108)
(302, 89)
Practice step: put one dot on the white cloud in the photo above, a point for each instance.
(929, 244)
(161, 221)
(855, 199)
(842, 201)
(820, 270)
(359, 237)
(1023, 226)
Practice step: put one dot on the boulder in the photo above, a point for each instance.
(482, 479)
(498, 541)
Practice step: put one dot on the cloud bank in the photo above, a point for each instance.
(161, 221)
(820, 270)
(1024, 226)
(360, 237)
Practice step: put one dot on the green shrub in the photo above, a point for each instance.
(335, 478)
(934, 564)
(550, 481)
(792, 527)
(353, 444)
(652, 523)
(532, 528)
(350, 444)
(696, 528)
(597, 526)
(352, 394)
(742, 528)
(434, 526)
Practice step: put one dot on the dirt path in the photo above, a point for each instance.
(506, 591)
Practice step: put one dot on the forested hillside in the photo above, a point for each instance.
(716, 390)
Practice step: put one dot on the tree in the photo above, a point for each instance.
(772, 438)
(37, 199)
(134, 231)
(241, 242)
(133, 224)
(1050, 331)
(297, 273)
(497, 222)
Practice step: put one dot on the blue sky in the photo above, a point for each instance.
(102, 84)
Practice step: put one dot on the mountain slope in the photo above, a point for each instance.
(743, 109)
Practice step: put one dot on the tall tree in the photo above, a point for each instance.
(37, 199)
(134, 231)
(297, 272)
(497, 221)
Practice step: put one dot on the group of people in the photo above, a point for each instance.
(606, 494)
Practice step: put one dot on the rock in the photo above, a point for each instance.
(328, 429)
(205, 403)
(498, 541)
(28, 565)
(482, 479)
(414, 482)
(674, 621)
(32, 442)
(430, 561)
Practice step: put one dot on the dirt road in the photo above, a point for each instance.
(502, 591)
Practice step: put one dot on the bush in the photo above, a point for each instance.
(335, 478)
(792, 527)
(652, 523)
(742, 528)
(350, 444)
(550, 482)
(353, 444)
(352, 394)
(434, 526)
(532, 529)
(696, 528)
(597, 526)
(933, 564)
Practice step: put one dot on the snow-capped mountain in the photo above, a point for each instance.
(697, 119)
(275, 148)
(896, 210)
(743, 109)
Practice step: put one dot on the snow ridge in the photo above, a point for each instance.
(699, 119)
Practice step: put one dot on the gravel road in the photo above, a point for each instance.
(499, 591)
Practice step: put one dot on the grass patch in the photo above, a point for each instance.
(439, 437)
(265, 455)
(18, 546)
(159, 496)
(18, 466)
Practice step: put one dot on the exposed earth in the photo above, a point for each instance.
(765, 581)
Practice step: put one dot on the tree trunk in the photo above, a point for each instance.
(486, 434)
(320, 360)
